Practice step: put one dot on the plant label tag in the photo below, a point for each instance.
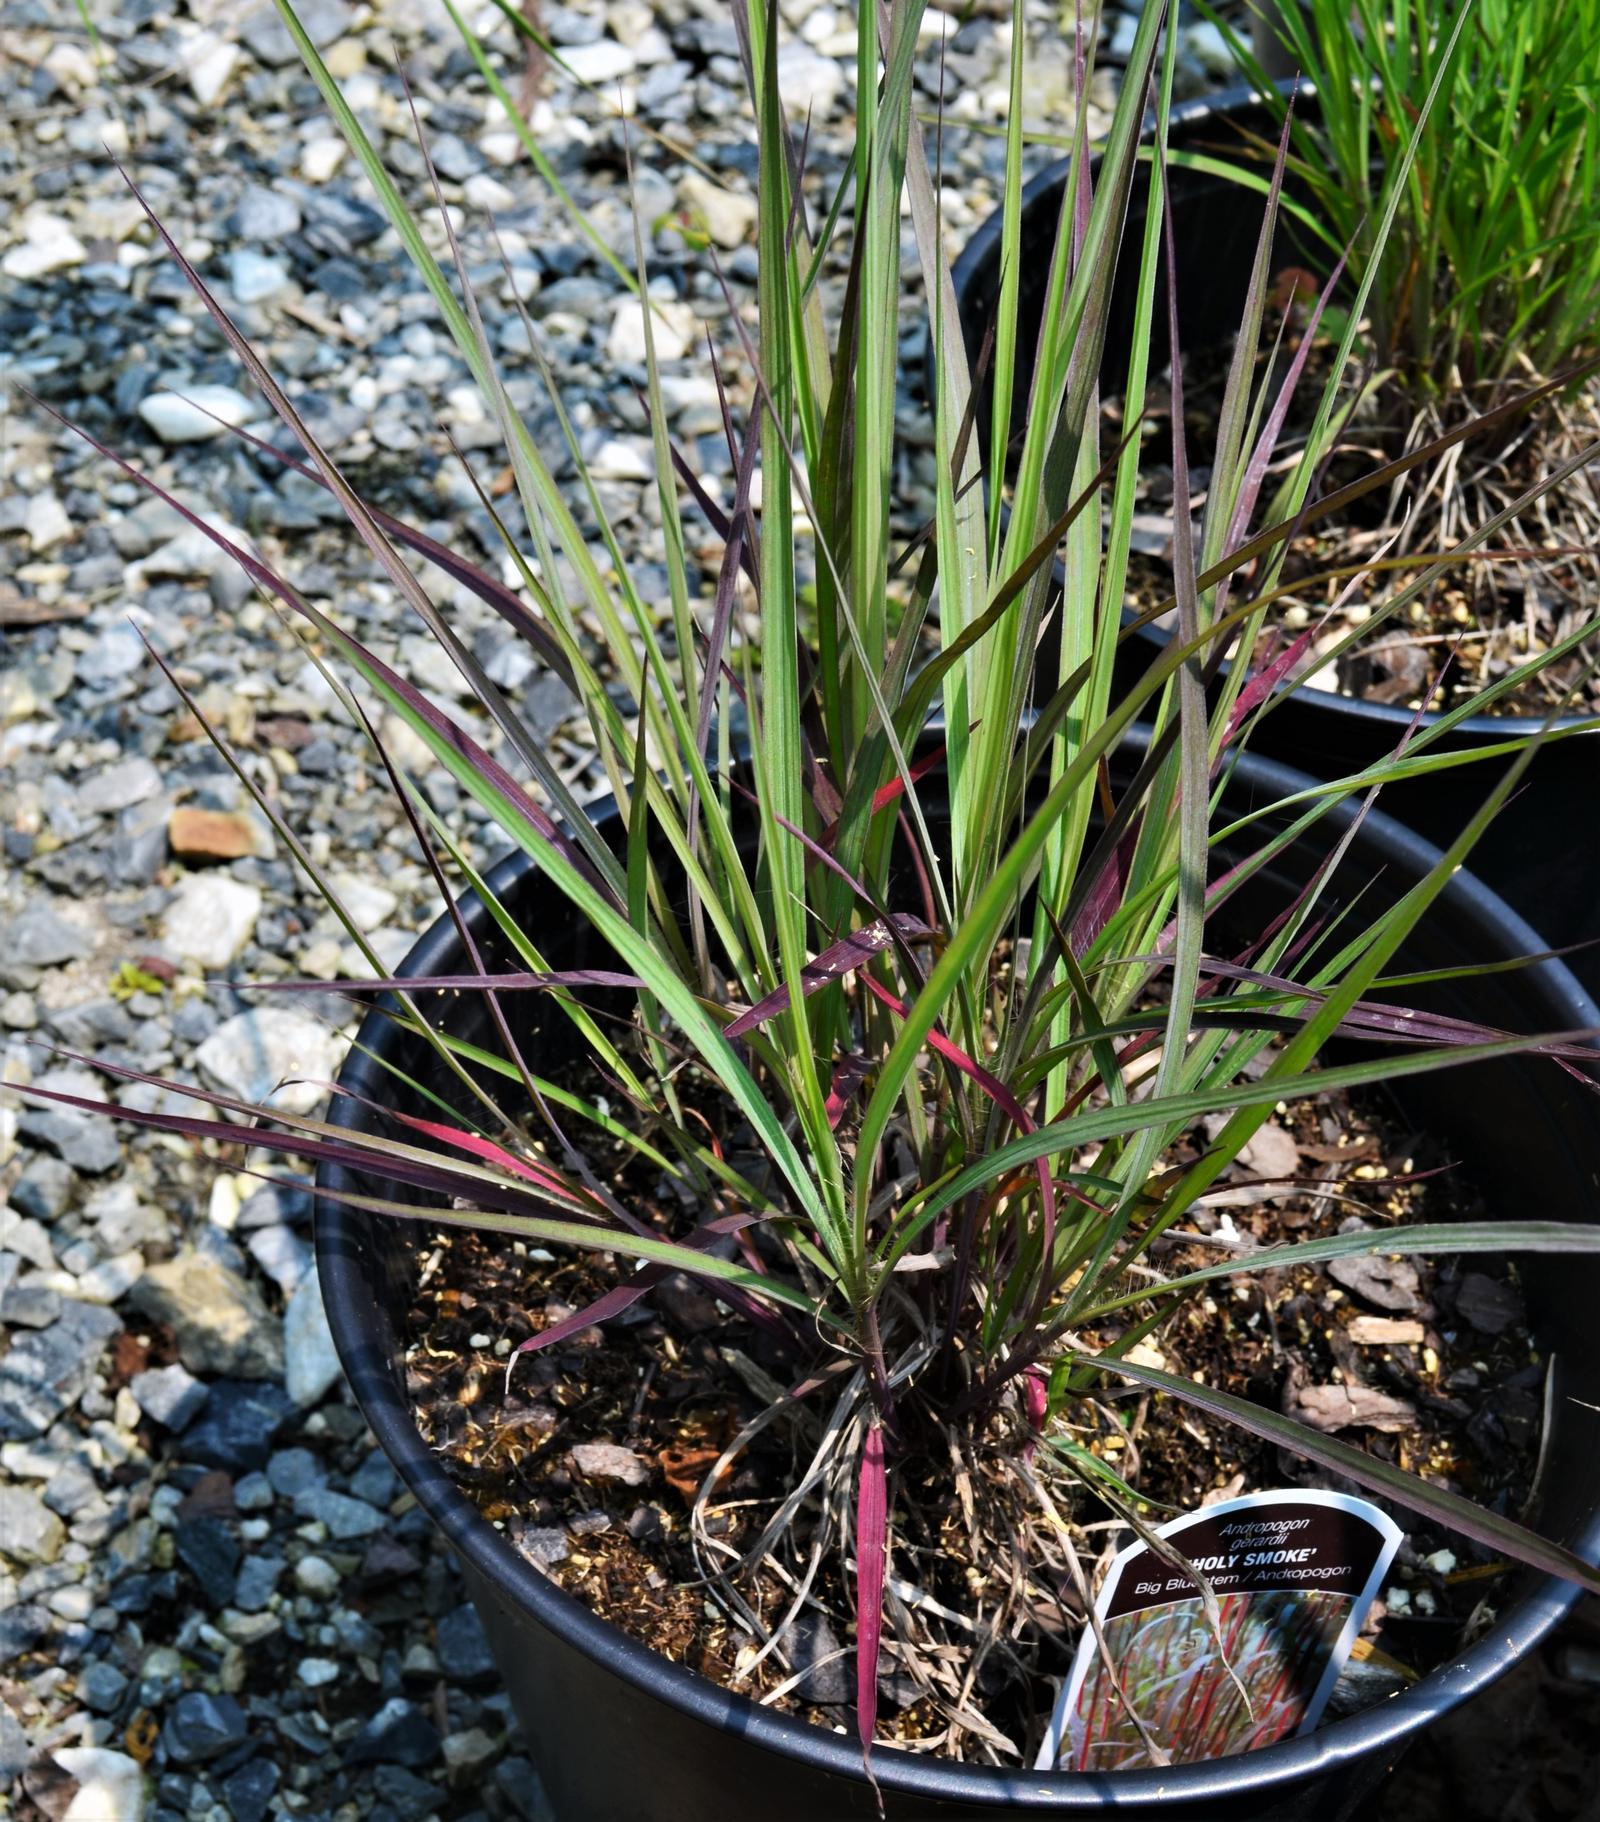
(1293, 1574)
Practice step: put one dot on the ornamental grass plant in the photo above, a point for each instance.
(918, 1001)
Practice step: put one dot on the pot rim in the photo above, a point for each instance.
(514, 1580)
(983, 250)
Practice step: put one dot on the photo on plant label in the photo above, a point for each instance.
(1163, 1680)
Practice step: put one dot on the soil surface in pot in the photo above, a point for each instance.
(593, 1461)
(1487, 616)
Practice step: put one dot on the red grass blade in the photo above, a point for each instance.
(847, 1078)
(992, 1086)
(872, 1554)
(1260, 685)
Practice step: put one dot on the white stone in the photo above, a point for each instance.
(807, 81)
(652, 46)
(321, 158)
(312, 1363)
(253, 1052)
(486, 192)
(47, 523)
(621, 459)
(48, 245)
(111, 1278)
(209, 62)
(368, 903)
(254, 276)
(191, 553)
(730, 219)
(425, 661)
(182, 417)
(601, 62)
(110, 1785)
(118, 787)
(404, 745)
(315, 1672)
(222, 1209)
(72, 66)
(315, 1575)
(501, 148)
(211, 919)
(673, 325)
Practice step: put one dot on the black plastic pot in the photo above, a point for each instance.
(1541, 854)
(618, 1731)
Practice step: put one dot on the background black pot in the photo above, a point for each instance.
(618, 1731)
(1542, 854)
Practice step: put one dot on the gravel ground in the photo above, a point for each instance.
(217, 1600)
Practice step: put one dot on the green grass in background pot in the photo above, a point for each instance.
(1491, 268)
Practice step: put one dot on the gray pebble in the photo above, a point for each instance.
(170, 1394)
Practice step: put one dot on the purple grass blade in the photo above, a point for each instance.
(716, 518)
(516, 982)
(274, 584)
(478, 581)
(376, 1158)
(1106, 894)
(1260, 458)
(833, 964)
(624, 1296)
(355, 508)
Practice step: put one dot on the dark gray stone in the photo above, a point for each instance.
(137, 849)
(258, 1582)
(21, 1628)
(344, 1517)
(464, 1649)
(828, 1676)
(267, 37)
(409, 1796)
(44, 1189)
(519, 1784)
(294, 1471)
(101, 1686)
(210, 1552)
(88, 1142)
(337, 223)
(398, 1734)
(375, 1481)
(91, 1022)
(38, 938)
(201, 1727)
(236, 1429)
(248, 1791)
(341, 279)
